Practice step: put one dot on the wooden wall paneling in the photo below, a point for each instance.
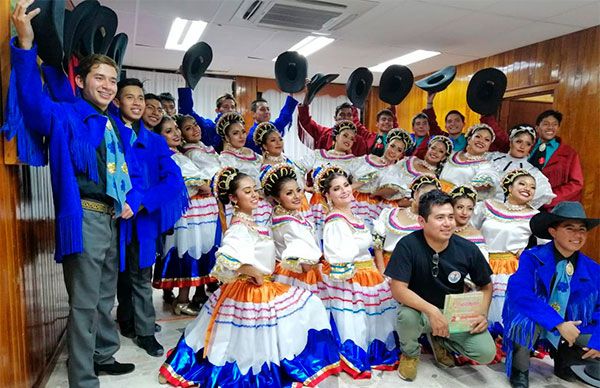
(569, 65)
(245, 93)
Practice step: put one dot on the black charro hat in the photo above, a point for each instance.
(589, 372)
(195, 62)
(485, 90)
(117, 48)
(395, 84)
(437, 81)
(76, 22)
(567, 210)
(316, 83)
(291, 70)
(358, 86)
(48, 27)
(100, 31)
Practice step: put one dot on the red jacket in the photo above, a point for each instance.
(563, 170)
(323, 136)
(370, 136)
(501, 144)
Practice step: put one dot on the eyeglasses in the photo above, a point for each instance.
(435, 270)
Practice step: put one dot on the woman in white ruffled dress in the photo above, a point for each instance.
(505, 228)
(359, 298)
(522, 138)
(253, 332)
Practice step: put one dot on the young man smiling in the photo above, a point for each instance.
(554, 295)
(261, 112)
(95, 186)
(427, 265)
(559, 162)
(153, 112)
(163, 202)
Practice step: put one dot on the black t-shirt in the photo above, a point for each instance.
(412, 263)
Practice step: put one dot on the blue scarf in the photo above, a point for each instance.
(559, 297)
(117, 174)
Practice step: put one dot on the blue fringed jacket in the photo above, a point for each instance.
(528, 292)
(164, 199)
(67, 133)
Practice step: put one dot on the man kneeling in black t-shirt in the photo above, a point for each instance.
(427, 265)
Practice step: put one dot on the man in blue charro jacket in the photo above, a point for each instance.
(554, 295)
(163, 203)
(95, 183)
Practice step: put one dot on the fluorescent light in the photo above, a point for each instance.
(184, 33)
(309, 45)
(412, 57)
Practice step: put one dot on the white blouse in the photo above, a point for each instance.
(295, 242)
(204, 157)
(399, 176)
(321, 157)
(243, 244)
(387, 230)
(192, 175)
(503, 163)
(473, 172)
(503, 230)
(345, 243)
(368, 171)
(247, 162)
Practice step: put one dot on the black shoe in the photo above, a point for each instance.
(157, 328)
(519, 379)
(564, 357)
(126, 329)
(198, 300)
(115, 368)
(168, 296)
(150, 345)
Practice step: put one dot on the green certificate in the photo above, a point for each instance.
(462, 310)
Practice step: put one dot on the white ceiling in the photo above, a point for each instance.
(462, 30)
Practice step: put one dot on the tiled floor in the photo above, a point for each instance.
(146, 372)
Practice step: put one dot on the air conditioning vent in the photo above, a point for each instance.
(252, 10)
(282, 15)
(297, 15)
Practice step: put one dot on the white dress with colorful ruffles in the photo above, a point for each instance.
(505, 233)
(188, 253)
(320, 158)
(504, 163)
(248, 162)
(399, 177)
(295, 245)
(387, 231)
(368, 171)
(273, 335)
(360, 301)
(471, 173)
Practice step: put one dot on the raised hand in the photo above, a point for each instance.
(22, 22)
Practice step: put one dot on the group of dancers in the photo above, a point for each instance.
(314, 267)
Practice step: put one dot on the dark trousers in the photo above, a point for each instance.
(134, 294)
(91, 281)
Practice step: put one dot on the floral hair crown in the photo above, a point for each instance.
(442, 139)
(510, 177)
(514, 131)
(342, 126)
(423, 180)
(479, 127)
(222, 180)
(261, 131)
(402, 135)
(270, 175)
(226, 120)
(463, 191)
(321, 173)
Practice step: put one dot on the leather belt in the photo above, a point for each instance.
(96, 206)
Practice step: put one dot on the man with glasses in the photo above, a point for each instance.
(427, 265)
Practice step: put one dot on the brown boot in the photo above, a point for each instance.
(407, 368)
(442, 357)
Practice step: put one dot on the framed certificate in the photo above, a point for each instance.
(461, 310)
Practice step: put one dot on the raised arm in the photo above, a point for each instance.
(285, 115)
(306, 125)
(208, 126)
(362, 131)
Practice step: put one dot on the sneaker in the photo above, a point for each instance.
(115, 368)
(440, 353)
(407, 368)
(150, 345)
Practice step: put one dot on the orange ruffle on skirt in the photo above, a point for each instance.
(504, 263)
(311, 277)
